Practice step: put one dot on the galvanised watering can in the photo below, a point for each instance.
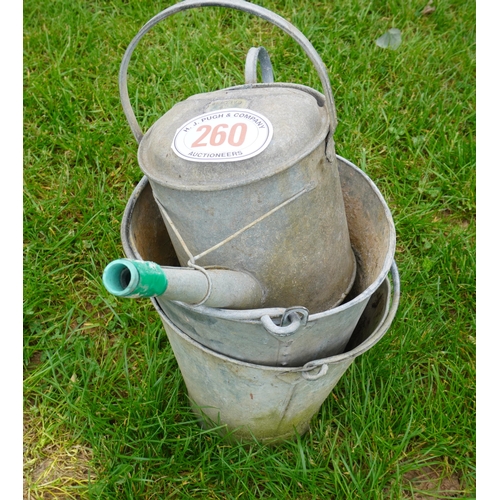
(246, 177)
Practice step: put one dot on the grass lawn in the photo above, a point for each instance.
(106, 413)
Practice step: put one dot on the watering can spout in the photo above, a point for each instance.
(221, 288)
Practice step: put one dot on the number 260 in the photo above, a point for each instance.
(236, 136)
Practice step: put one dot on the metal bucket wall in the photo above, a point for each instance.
(276, 336)
(270, 404)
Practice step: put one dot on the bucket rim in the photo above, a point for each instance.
(321, 363)
(255, 315)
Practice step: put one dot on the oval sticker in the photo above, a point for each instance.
(223, 135)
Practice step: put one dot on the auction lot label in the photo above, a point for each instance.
(223, 135)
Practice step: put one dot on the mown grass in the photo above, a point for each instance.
(106, 413)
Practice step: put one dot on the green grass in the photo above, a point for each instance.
(106, 413)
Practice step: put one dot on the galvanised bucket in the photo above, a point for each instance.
(275, 336)
(271, 404)
(246, 179)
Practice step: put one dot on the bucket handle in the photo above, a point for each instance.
(293, 318)
(241, 5)
(364, 346)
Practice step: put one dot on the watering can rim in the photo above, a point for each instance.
(323, 135)
(251, 315)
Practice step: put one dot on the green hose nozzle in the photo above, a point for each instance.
(134, 278)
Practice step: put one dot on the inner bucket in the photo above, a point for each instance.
(249, 401)
(275, 336)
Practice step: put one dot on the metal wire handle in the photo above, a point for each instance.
(291, 320)
(241, 5)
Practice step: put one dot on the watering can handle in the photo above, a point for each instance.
(231, 4)
(254, 55)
